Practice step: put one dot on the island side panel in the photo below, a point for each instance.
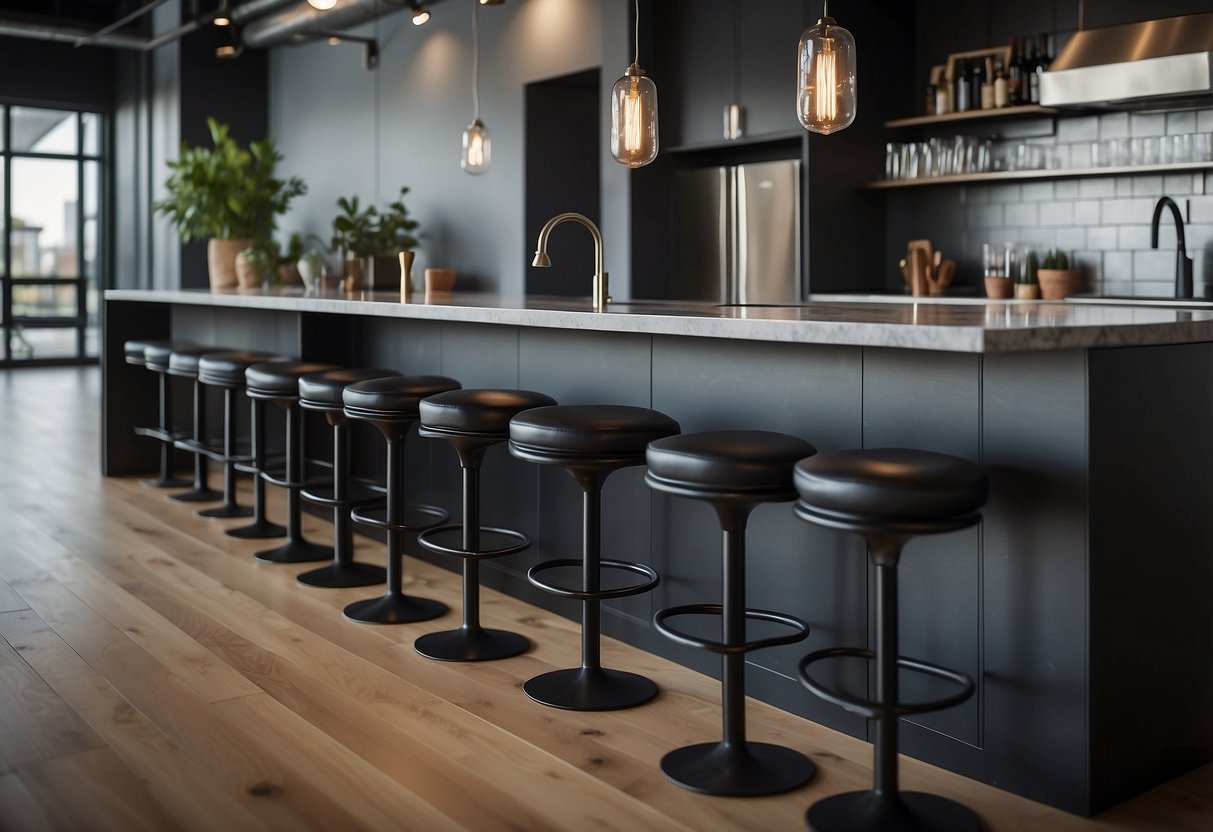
(1034, 582)
(129, 393)
(1151, 618)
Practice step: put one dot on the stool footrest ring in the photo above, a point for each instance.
(800, 629)
(321, 494)
(416, 517)
(161, 434)
(283, 482)
(873, 710)
(429, 539)
(599, 594)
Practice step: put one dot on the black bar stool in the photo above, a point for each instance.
(278, 382)
(163, 432)
(226, 370)
(590, 442)
(262, 528)
(888, 496)
(322, 392)
(473, 421)
(391, 405)
(183, 362)
(734, 471)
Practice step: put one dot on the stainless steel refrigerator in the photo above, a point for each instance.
(737, 234)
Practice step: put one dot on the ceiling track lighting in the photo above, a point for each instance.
(370, 47)
(492, 2)
(223, 15)
(227, 43)
(421, 14)
(825, 100)
(476, 148)
(322, 5)
(634, 139)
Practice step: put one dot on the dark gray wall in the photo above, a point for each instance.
(56, 73)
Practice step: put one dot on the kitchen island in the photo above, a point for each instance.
(1080, 605)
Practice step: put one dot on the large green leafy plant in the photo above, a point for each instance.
(227, 191)
(365, 232)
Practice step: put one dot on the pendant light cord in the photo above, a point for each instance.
(825, 8)
(475, 63)
(636, 36)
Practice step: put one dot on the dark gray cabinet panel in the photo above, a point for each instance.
(767, 39)
(703, 38)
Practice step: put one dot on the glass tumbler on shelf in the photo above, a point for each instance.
(1202, 147)
(892, 160)
(993, 260)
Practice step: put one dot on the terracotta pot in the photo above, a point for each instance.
(221, 261)
(1027, 291)
(247, 276)
(1056, 284)
(352, 282)
(999, 288)
(439, 280)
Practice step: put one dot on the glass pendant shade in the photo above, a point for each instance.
(322, 5)
(477, 148)
(634, 119)
(825, 100)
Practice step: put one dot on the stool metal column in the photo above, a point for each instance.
(262, 528)
(391, 405)
(734, 471)
(163, 432)
(473, 421)
(590, 442)
(888, 496)
(183, 362)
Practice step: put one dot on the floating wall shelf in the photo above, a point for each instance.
(1022, 175)
(1024, 111)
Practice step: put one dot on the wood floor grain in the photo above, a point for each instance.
(154, 676)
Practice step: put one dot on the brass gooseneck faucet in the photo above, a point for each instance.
(601, 292)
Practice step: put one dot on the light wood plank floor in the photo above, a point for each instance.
(153, 676)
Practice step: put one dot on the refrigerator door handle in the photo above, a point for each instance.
(741, 222)
(724, 235)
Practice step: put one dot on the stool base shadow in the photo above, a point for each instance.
(590, 689)
(747, 770)
(296, 551)
(226, 511)
(467, 644)
(337, 575)
(902, 812)
(395, 609)
(198, 495)
(257, 530)
(165, 482)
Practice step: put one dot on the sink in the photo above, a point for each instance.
(1126, 300)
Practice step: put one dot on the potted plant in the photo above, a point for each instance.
(227, 195)
(254, 265)
(1057, 279)
(287, 261)
(1026, 285)
(369, 242)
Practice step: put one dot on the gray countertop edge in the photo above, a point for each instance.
(1072, 327)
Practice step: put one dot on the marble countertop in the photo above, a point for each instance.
(963, 325)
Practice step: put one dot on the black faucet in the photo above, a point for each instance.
(1183, 263)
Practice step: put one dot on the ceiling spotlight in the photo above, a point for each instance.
(228, 44)
(223, 15)
(420, 15)
(491, 2)
(322, 5)
(334, 40)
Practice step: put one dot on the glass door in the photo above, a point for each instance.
(51, 186)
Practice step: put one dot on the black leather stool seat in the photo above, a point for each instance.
(226, 369)
(589, 430)
(481, 412)
(177, 360)
(722, 462)
(396, 397)
(323, 390)
(891, 482)
(280, 379)
(134, 349)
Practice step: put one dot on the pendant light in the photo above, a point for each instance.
(825, 101)
(421, 14)
(322, 5)
(476, 147)
(634, 112)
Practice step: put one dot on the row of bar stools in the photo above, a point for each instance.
(226, 371)
(183, 363)
(590, 442)
(134, 353)
(473, 421)
(392, 405)
(888, 496)
(733, 471)
(322, 393)
(278, 382)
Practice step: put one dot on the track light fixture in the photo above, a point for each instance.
(322, 5)
(420, 14)
(370, 47)
(227, 43)
(223, 15)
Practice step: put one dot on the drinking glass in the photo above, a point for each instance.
(993, 259)
(892, 160)
(1118, 152)
(1202, 147)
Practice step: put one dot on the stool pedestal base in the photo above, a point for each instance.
(590, 689)
(337, 575)
(394, 609)
(261, 529)
(296, 551)
(903, 812)
(468, 644)
(745, 770)
(165, 482)
(198, 495)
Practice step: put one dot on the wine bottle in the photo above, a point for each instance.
(1033, 71)
(1000, 86)
(987, 85)
(963, 103)
(1013, 75)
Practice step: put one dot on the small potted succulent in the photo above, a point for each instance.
(369, 242)
(254, 266)
(1026, 285)
(1057, 279)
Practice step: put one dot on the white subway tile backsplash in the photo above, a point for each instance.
(1098, 187)
(1204, 121)
(1056, 213)
(1102, 238)
(1200, 208)
(1127, 211)
(1022, 214)
(975, 194)
(1147, 124)
(1124, 186)
(985, 216)
(1086, 212)
(1118, 266)
(1114, 126)
(1036, 191)
(1177, 184)
(1084, 129)
(1071, 239)
(1153, 289)
(1148, 185)
(1154, 265)
(1134, 236)
(1004, 193)
(1180, 123)
(1065, 189)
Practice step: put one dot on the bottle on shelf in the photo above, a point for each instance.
(1001, 98)
(987, 85)
(943, 99)
(963, 103)
(928, 103)
(1013, 75)
(975, 81)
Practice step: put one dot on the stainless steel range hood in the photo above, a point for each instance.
(1153, 64)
